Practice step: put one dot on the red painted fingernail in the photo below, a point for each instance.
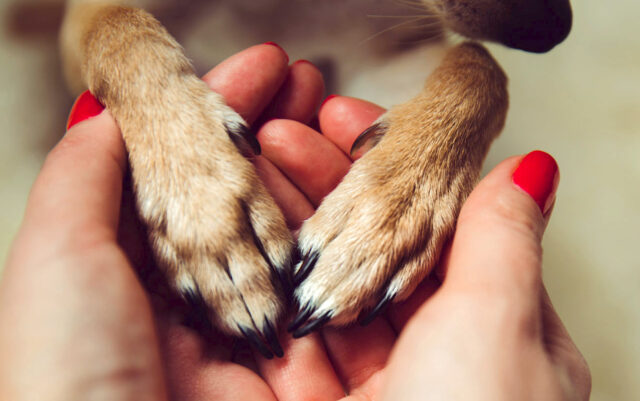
(302, 61)
(279, 47)
(327, 99)
(538, 176)
(85, 107)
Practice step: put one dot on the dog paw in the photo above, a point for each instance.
(215, 231)
(374, 238)
(381, 231)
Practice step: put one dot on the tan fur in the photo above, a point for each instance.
(217, 234)
(199, 197)
(382, 229)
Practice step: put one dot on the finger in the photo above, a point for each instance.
(249, 80)
(293, 203)
(496, 249)
(308, 159)
(342, 119)
(304, 373)
(359, 353)
(75, 201)
(300, 94)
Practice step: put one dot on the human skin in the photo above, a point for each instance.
(75, 322)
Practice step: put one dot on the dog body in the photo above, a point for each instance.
(216, 233)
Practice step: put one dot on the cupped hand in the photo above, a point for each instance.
(76, 323)
(482, 328)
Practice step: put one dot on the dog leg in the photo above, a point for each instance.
(215, 232)
(380, 232)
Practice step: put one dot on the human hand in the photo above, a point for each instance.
(116, 336)
(75, 322)
(488, 331)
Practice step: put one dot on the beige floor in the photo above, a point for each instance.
(581, 102)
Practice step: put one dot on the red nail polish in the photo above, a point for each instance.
(538, 176)
(85, 107)
(303, 61)
(327, 99)
(279, 47)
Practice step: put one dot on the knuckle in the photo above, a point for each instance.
(68, 145)
(525, 220)
(502, 214)
(503, 314)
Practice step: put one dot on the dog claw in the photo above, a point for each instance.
(285, 282)
(198, 314)
(244, 139)
(308, 263)
(253, 339)
(312, 325)
(368, 139)
(272, 338)
(285, 275)
(302, 316)
(380, 307)
(280, 272)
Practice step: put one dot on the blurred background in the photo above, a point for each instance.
(580, 102)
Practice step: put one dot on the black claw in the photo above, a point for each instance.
(380, 307)
(368, 139)
(197, 316)
(311, 326)
(244, 139)
(256, 342)
(255, 145)
(285, 281)
(300, 318)
(308, 263)
(282, 273)
(272, 338)
(296, 256)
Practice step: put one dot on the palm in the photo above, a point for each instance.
(300, 166)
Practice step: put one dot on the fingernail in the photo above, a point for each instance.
(85, 107)
(303, 61)
(538, 176)
(279, 47)
(327, 99)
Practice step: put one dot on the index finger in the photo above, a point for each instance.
(250, 79)
(315, 162)
(343, 118)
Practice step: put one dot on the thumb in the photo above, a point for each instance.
(76, 198)
(496, 248)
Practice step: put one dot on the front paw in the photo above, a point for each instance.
(372, 241)
(215, 232)
(230, 262)
(382, 230)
